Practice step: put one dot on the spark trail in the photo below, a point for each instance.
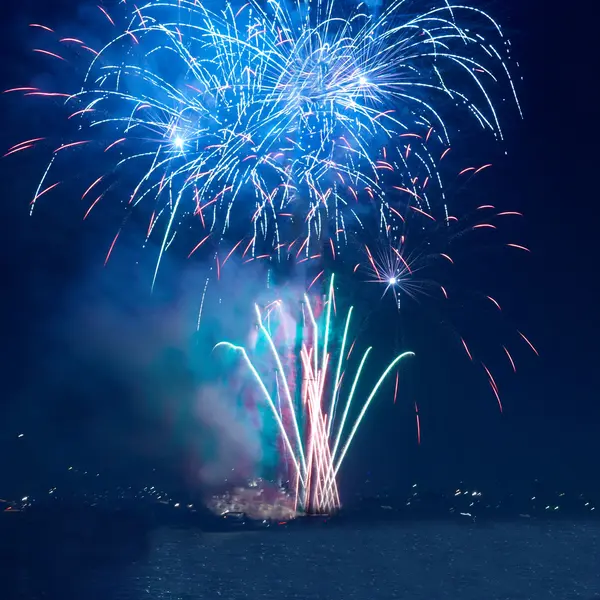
(315, 441)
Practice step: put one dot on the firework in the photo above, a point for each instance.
(287, 120)
(281, 131)
(317, 428)
(420, 268)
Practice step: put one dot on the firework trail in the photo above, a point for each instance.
(290, 120)
(315, 439)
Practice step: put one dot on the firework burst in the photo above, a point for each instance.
(283, 131)
(291, 119)
(317, 427)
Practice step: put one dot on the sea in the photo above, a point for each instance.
(421, 560)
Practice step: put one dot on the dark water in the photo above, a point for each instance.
(426, 560)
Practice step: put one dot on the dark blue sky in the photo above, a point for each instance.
(80, 403)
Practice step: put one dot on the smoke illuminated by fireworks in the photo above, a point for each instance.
(315, 440)
(293, 118)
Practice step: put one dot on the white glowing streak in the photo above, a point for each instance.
(336, 389)
(366, 406)
(269, 400)
(285, 385)
(165, 238)
(327, 326)
(349, 402)
(316, 333)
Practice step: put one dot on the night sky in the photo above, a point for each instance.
(97, 372)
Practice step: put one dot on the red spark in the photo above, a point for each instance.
(402, 259)
(494, 302)
(381, 164)
(80, 112)
(91, 186)
(397, 214)
(241, 9)
(17, 150)
(248, 247)
(142, 20)
(510, 358)
(422, 212)
(89, 210)
(494, 387)
(315, 280)
(21, 89)
(490, 377)
(372, 262)
(232, 251)
(49, 94)
(497, 397)
(529, 343)
(27, 143)
(151, 223)
(135, 40)
(519, 247)
(119, 141)
(302, 246)
(45, 191)
(107, 15)
(350, 351)
(198, 245)
(71, 145)
(41, 27)
(47, 53)
(466, 349)
(111, 247)
(403, 189)
(418, 419)
(466, 170)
